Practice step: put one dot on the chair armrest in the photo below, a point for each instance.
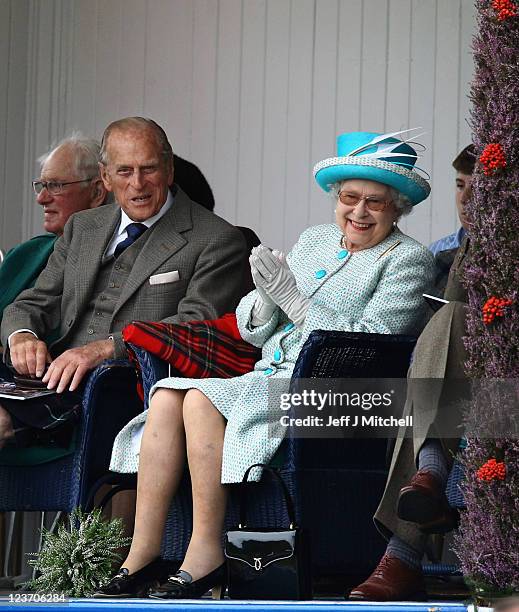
(153, 369)
(110, 400)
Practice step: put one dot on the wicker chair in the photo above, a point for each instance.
(109, 402)
(336, 484)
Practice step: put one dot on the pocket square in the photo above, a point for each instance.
(165, 277)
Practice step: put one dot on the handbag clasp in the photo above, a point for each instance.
(257, 563)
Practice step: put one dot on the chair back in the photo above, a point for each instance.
(337, 354)
(252, 240)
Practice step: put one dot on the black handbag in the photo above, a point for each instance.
(267, 563)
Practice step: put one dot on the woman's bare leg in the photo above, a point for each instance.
(205, 428)
(161, 463)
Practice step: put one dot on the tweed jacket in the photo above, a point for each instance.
(440, 354)
(376, 290)
(208, 253)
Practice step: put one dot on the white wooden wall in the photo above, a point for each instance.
(13, 77)
(253, 91)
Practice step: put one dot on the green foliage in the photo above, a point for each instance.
(79, 557)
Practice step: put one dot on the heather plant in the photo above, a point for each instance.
(80, 557)
(488, 539)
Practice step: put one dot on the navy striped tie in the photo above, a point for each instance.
(134, 230)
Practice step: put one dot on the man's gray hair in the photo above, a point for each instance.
(401, 202)
(86, 154)
(138, 123)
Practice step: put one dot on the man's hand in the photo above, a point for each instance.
(29, 355)
(72, 365)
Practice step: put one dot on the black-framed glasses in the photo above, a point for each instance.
(372, 202)
(55, 187)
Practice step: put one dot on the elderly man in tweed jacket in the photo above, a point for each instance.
(154, 255)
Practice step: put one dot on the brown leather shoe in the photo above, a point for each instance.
(424, 502)
(392, 580)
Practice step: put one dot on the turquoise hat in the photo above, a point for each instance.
(375, 157)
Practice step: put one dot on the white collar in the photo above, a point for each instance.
(125, 219)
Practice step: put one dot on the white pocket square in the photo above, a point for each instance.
(165, 277)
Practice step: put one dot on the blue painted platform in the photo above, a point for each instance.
(187, 605)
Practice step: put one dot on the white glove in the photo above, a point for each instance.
(273, 275)
(264, 306)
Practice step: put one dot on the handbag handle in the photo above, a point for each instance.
(286, 494)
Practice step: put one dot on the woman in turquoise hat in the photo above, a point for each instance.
(358, 274)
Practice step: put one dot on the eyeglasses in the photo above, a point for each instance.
(53, 187)
(372, 203)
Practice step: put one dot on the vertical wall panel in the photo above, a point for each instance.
(273, 167)
(398, 66)
(299, 160)
(132, 63)
(252, 104)
(323, 101)
(29, 109)
(41, 118)
(204, 84)
(48, 90)
(108, 62)
(5, 23)
(168, 74)
(13, 75)
(84, 82)
(466, 63)
(62, 61)
(443, 217)
(15, 184)
(374, 66)
(349, 66)
(253, 91)
(227, 109)
(421, 103)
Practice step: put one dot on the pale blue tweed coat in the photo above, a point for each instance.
(377, 290)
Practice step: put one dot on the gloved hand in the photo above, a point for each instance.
(273, 275)
(264, 306)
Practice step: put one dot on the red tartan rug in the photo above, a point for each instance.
(196, 349)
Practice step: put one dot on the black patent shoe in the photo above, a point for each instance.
(182, 585)
(124, 584)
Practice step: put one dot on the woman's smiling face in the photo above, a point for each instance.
(362, 226)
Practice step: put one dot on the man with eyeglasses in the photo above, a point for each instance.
(69, 182)
(155, 256)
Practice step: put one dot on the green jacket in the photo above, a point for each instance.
(21, 267)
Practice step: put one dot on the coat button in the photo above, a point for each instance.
(112, 284)
(342, 254)
(288, 327)
(268, 371)
(320, 273)
(90, 331)
(277, 355)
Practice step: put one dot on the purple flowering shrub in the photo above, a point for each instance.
(488, 539)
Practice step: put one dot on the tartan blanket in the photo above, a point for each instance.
(196, 349)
